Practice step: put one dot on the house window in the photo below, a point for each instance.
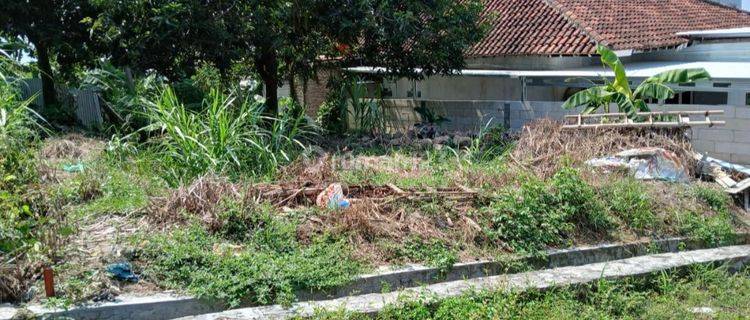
(699, 97)
(747, 99)
(711, 98)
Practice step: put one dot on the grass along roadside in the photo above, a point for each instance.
(703, 292)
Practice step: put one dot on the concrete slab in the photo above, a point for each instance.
(372, 303)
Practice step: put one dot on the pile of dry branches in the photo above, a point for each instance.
(544, 144)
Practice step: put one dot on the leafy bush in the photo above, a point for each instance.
(253, 271)
(540, 214)
(629, 200)
(228, 137)
(329, 116)
(127, 95)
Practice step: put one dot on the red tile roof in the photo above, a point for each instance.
(574, 27)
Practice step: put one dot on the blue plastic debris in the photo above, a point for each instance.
(122, 271)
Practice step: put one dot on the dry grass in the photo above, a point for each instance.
(71, 146)
(543, 144)
(312, 171)
(367, 224)
(201, 199)
(67, 149)
(16, 278)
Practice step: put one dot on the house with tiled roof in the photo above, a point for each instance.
(539, 52)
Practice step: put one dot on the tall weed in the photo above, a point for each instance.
(226, 137)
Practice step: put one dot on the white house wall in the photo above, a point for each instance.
(457, 88)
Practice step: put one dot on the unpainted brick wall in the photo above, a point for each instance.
(314, 94)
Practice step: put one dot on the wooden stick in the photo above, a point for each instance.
(646, 124)
(657, 113)
(394, 188)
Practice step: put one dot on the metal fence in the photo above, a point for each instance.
(87, 109)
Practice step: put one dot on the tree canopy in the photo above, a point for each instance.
(54, 29)
(280, 40)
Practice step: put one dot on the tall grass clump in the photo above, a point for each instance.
(28, 230)
(227, 136)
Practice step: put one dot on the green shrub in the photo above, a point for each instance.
(528, 219)
(540, 214)
(629, 200)
(261, 270)
(580, 201)
(329, 117)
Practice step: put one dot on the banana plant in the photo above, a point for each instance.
(619, 92)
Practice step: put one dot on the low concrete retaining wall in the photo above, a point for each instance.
(168, 306)
(371, 304)
(730, 142)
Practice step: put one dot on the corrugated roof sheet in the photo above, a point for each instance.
(574, 27)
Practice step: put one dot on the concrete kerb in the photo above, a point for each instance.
(733, 256)
(169, 306)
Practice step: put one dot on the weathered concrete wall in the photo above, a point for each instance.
(730, 142)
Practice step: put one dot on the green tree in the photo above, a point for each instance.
(289, 39)
(618, 91)
(54, 29)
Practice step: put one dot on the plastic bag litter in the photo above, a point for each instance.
(645, 164)
(332, 197)
(70, 168)
(122, 271)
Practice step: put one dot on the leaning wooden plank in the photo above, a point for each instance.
(645, 125)
(739, 187)
(651, 113)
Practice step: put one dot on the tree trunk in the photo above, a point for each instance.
(292, 88)
(267, 68)
(45, 73)
(272, 100)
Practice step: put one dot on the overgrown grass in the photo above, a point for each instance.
(105, 187)
(228, 136)
(30, 227)
(253, 258)
(662, 296)
(630, 201)
(433, 253)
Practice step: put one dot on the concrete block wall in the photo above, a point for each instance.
(730, 142)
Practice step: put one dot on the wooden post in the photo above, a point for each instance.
(49, 282)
